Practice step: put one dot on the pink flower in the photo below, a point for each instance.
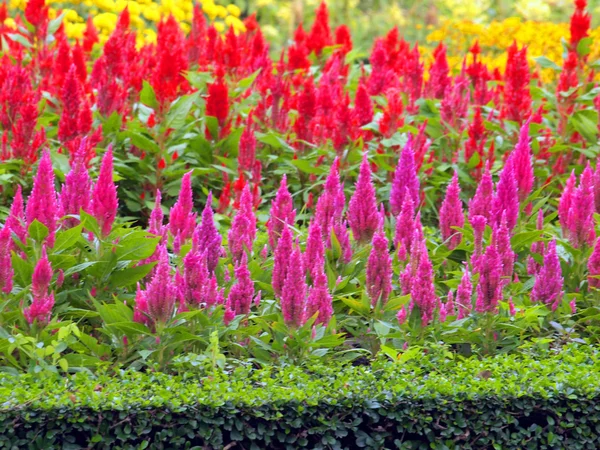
(405, 223)
(522, 165)
(449, 306)
(241, 293)
(195, 278)
(580, 224)
(161, 293)
(401, 316)
(549, 281)
(247, 149)
(319, 299)
(282, 212)
(594, 266)
(379, 270)
(243, 227)
(206, 238)
(155, 224)
(314, 254)
(451, 214)
(6, 269)
(362, 210)
(536, 247)
(76, 192)
(511, 307)
(104, 196)
(405, 181)
(42, 203)
(40, 310)
(281, 260)
(573, 306)
(42, 276)
(340, 230)
(501, 239)
(506, 199)
(478, 223)
(464, 295)
(293, 294)
(16, 218)
(330, 205)
(489, 288)
(479, 205)
(564, 204)
(182, 219)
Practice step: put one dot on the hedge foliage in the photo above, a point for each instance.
(519, 401)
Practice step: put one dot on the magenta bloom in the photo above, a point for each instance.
(331, 203)
(161, 293)
(451, 214)
(522, 165)
(379, 270)
(597, 182)
(479, 205)
(501, 239)
(282, 212)
(464, 295)
(42, 203)
(506, 200)
(247, 149)
(340, 229)
(549, 281)
(405, 224)
(536, 247)
(281, 261)
(104, 196)
(580, 220)
(314, 254)
(40, 310)
(6, 269)
(140, 311)
(489, 288)
(293, 294)
(243, 227)
(182, 219)
(362, 209)
(422, 290)
(405, 180)
(242, 292)
(594, 267)
(76, 192)
(42, 276)
(478, 223)
(206, 238)
(195, 278)
(319, 300)
(155, 224)
(16, 218)
(564, 204)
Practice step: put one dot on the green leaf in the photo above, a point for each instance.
(394, 304)
(37, 231)
(546, 63)
(55, 24)
(16, 37)
(586, 123)
(308, 166)
(358, 306)
(148, 96)
(212, 124)
(89, 222)
(67, 239)
(525, 239)
(131, 329)
(142, 142)
(136, 246)
(584, 47)
(23, 269)
(131, 275)
(180, 110)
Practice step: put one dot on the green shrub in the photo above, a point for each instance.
(430, 401)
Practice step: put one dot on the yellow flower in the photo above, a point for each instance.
(237, 24)
(75, 30)
(105, 22)
(234, 10)
(219, 26)
(10, 23)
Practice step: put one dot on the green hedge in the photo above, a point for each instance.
(421, 401)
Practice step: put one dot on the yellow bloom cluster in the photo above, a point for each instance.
(541, 39)
(144, 14)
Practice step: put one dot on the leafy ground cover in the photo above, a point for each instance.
(165, 199)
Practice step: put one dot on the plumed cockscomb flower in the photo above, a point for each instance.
(597, 175)
(489, 288)
(76, 192)
(206, 238)
(405, 181)
(522, 165)
(140, 310)
(42, 203)
(479, 205)
(319, 299)
(405, 223)
(247, 149)
(314, 254)
(363, 216)
(42, 276)
(478, 223)
(104, 195)
(537, 247)
(464, 293)
(580, 220)
(6, 269)
(506, 199)
(331, 203)
(594, 267)
(40, 310)
(16, 218)
(451, 214)
(293, 294)
(549, 281)
(242, 292)
(340, 230)
(379, 270)
(182, 219)
(501, 239)
(564, 204)
(195, 278)
(243, 227)
(161, 294)
(281, 260)
(155, 223)
(363, 109)
(422, 290)
(282, 213)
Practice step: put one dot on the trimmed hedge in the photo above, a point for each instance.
(509, 401)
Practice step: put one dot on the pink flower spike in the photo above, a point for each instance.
(182, 219)
(405, 180)
(42, 203)
(76, 192)
(314, 254)
(319, 300)
(363, 216)
(479, 205)
(6, 269)
(573, 306)
(522, 164)
(331, 203)
(489, 288)
(501, 239)
(206, 238)
(42, 276)
(464, 295)
(243, 227)
(580, 220)
(161, 293)
(282, 212)
(506, 199)
(155, 224)
(549, 281)
(594, 267)
(564, 204)
(40, 310)
(405, 224)
(379, 270)
(401, 316)
(281, 260)
(242, 292)
(104, 196)
(16, 218)
(452, 215)
(293, 294)
(511, 307)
